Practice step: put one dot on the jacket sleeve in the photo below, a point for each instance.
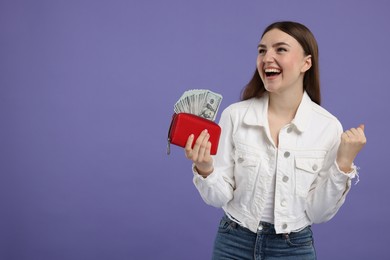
(329, 190)
(217, 188)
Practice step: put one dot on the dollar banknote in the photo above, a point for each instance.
(201, 102)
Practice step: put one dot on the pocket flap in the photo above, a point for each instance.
(312, 165)
(245, 160)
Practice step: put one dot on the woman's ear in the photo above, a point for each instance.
(307, 64)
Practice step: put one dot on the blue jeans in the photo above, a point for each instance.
(239, 243)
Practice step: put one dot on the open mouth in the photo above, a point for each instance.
(272, 72)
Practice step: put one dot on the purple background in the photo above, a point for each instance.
(86, 95)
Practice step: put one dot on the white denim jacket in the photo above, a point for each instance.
(310, 188)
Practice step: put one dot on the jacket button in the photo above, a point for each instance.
(315, 167)
(287, 154)
(289, 130)
(283, 203)
(240, 159)
(285, 178)
(284, 226)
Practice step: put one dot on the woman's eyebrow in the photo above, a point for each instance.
(274, 45)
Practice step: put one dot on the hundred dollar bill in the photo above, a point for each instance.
(210, 107)
(200, 102)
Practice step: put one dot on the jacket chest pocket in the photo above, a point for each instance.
(246, 168)
(306, 170)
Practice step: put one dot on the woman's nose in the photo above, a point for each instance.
(268, 57)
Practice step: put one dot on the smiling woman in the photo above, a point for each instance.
(284, 162)
(299, 37)
(282, 62)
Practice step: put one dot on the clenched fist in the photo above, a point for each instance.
(352, 141)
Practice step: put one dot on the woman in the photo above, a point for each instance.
(284, 162)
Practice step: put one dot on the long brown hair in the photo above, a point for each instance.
(311, 80)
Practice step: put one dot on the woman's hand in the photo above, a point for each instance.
(200, 153)
(352, 141)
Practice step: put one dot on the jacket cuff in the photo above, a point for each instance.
(211, 178)
(349, 175)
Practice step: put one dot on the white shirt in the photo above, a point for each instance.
(309, 186)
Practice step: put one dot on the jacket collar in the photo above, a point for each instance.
(253, 117)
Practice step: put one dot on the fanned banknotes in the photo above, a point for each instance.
(199, 102)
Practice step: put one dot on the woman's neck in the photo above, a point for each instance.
(285, 104)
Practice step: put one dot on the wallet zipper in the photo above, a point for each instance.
(169, 146)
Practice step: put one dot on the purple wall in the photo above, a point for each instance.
(86, 94)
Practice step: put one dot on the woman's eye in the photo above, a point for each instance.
(281, 49)
(261, 51)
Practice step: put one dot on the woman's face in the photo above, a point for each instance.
(281, 62)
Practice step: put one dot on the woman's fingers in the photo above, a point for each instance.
(200, 145)
(202, 153)
(355, 136)
(197, 152)
(188, 147)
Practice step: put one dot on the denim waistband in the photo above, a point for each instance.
(265, 227)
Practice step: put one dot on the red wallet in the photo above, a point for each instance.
(185, 124)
